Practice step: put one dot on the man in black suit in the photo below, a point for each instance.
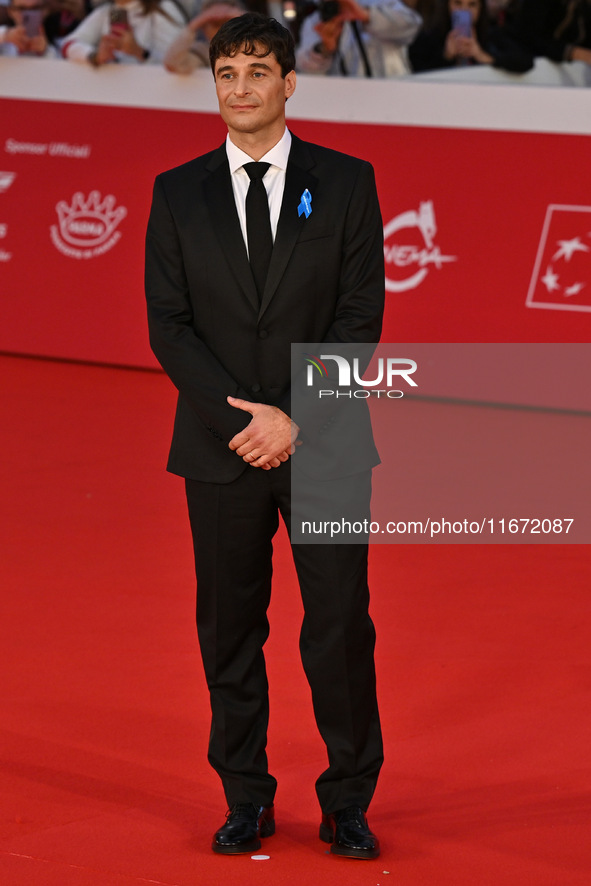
(221, 328)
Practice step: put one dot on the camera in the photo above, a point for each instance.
(301, 9)
(328, 9)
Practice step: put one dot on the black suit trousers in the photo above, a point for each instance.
(233, 525)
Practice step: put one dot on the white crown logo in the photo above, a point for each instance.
(90, 222)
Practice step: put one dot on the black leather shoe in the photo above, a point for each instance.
(245, 824)
(348, 832)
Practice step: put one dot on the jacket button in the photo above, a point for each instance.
(255, 388)
(263, 333)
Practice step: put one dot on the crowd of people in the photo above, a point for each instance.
(373, 38)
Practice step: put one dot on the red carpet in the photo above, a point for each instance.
(484, 673)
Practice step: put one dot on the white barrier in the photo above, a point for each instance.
(442, 99)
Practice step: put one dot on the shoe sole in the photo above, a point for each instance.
(267, 830)
(327, 836)
(344, 852)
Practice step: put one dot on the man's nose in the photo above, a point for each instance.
(241, 85)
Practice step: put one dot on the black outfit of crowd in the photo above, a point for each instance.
(427, 53)
(552, 28)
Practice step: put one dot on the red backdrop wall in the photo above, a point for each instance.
(488, 234)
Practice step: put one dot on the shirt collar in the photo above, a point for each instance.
(277, 156)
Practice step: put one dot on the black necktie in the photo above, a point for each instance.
(258, 224)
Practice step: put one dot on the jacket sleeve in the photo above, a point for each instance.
(360, 306)
(197, 374)
(166, 24)
(393, 21)
(86, 37)
(183, 56)
(508, 54)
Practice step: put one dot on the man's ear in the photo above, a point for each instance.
(290, 84)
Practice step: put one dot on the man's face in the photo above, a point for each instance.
(252, 93)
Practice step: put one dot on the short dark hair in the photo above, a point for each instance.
(254, 34)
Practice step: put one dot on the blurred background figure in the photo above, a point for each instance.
(131, 31)
(24, 32)
(4, 17)
(556, 29)
(343, 38)
(190, 49)
(463, 35)
(501, 12)
(64, 16)
(427, 9)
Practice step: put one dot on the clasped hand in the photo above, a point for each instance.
(268, 439)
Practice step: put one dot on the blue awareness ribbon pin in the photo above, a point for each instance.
(305, 206)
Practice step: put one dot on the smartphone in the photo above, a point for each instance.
(118, 17)
(32, 20)
(461, 21)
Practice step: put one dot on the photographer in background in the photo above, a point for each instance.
(345, 38)
(64, 17)
(130, 31)
(25, 34)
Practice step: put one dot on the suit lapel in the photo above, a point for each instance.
(219, 197)
(297, 179)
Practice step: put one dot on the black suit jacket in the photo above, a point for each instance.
(207, 328)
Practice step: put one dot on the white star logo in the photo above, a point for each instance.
(574, 289)
(568, 249)
(6, 179)
(550, 280)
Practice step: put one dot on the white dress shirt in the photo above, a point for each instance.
(274, 179)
